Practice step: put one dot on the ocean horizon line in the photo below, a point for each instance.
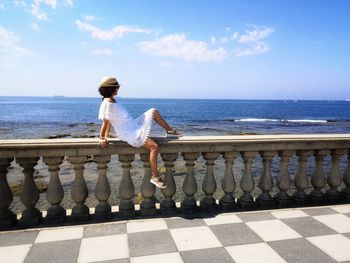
(164, 98)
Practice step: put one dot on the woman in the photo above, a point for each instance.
(133, 131)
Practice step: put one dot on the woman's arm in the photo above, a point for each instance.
(108, 130)
(106, 125)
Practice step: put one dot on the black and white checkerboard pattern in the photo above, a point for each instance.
(320, 234)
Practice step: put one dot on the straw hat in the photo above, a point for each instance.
(109, 82)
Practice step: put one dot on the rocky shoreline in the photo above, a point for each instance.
(91, 130)
(78, 130)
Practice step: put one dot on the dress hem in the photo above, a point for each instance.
(147, 133)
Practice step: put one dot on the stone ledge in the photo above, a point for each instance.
(89, 146)
(183, 139)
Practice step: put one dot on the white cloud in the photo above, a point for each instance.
(234, 36)
(253, 41)
(110, 34)
(52, 3)
(260, 33)
(2, 7)
(177, 46)
(34, 26)
(38, 8)
(103, 51)
(89, 18)
(37, 13)
(255, 48)
(9, 44)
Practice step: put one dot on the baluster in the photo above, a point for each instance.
(208, 203)
(227, 202)
(126, 189)
(334, 178)
(55, 194)
(189, 187)
(102, 190)
(167, 206)
(29, 195)
(266, 182)
(318, 179)
(148, 205)
(301, 180)
(346, 180)
(246, 201)
(7, 217)
(79, 190)
(283, 181)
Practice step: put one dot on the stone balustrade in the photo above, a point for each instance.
(292, 190)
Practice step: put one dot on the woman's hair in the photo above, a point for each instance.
(108, 87)
(107, 91)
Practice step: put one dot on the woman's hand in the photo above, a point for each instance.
(103, 142)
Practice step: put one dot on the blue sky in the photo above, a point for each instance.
(177, 49)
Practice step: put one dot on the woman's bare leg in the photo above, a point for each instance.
(160, 120)
(153, 155)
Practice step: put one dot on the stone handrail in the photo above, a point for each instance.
(26, 153)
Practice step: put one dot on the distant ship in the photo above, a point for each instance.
(58, 96)
(347, 99)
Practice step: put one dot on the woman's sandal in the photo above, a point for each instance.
(173, 132)
(158, 181)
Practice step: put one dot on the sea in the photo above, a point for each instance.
(65, 117)
(69, 117)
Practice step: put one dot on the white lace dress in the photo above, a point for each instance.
(133, 131)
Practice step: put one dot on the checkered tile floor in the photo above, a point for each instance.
(319, 234)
